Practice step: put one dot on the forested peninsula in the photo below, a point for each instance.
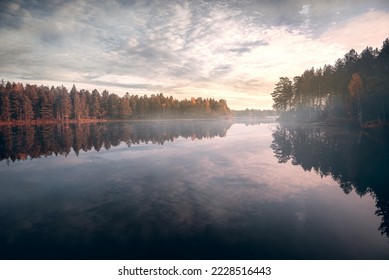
(354, 91)
(33, 104)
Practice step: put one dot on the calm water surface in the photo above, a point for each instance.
(193, 190)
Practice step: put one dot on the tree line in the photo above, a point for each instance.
(355, 88)
(253, 113)
(27, 103)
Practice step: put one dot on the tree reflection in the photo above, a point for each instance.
(356, 159)
(29, 142)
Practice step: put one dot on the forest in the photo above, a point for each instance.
(355, 90)
(253, 113)
(28, 103)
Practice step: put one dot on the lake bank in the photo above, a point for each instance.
(91, 121)
(338, 122)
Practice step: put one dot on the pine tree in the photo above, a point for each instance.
(5, 104)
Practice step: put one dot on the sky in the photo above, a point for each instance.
(233, 50)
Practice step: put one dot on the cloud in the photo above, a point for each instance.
(240, 50)
(243, 47)
(359, 32)
(227, 49)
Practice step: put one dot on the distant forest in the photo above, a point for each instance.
(254, 113)
(29, 103)
(354, 90)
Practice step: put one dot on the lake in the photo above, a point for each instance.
(193, 190)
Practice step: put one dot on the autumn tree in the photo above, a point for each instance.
(355, 88)
(46, 103)
(56, 103)
(5, 103)
(76, 104)
(95, 101)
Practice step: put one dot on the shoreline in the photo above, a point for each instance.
(326, 123)
(340, 124)
(52, 122)
(89, 121)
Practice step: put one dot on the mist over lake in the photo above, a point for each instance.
(192, 190)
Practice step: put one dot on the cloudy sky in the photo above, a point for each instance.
(235, 50)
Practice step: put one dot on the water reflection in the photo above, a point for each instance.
(224, 197)
(356, 159)
(23, 142)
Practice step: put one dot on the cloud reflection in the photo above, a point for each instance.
(224, 197)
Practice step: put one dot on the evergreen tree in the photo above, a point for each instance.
(356, 87)
(282, 95)
(5, 103)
